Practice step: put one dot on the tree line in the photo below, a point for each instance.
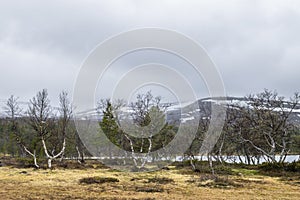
(262, 126)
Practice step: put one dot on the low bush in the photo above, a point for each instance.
(159, 180)
(219, 169)
(288, 167)
(224, 182)
(148, 189)
(293, 167)
(203, 167)
(214, 181)
(98, 180)
(25, 162)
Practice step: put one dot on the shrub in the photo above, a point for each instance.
(98, 180)
(162, 180)
(271, 166)
(213, 181)
(275, 167)
(219, 169)
(149, 189)
(293, 167)
(25, 162)
(217, 182)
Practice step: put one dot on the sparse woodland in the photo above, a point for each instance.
(256, 130)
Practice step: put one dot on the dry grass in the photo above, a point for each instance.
(65, 184)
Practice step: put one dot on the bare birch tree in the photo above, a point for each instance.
(13, 112)
(42, 122)
(264, 124)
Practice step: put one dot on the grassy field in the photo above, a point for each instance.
(28, 183)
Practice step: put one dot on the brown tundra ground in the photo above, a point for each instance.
(60, 183)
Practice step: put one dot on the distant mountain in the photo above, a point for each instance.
(176, 113)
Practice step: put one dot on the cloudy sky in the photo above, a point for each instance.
(254, 43)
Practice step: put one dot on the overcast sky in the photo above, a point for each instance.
(254, 43)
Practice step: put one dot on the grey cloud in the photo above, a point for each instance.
(254, 43)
